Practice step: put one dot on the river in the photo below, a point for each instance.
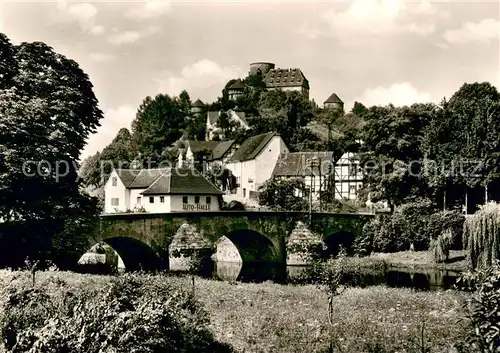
(420, 280)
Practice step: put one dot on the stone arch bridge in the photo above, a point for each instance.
(148, 241)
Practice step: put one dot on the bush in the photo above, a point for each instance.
(415, 223)
(128, 314)
(483, 310)
(441, 246)
(447, 220)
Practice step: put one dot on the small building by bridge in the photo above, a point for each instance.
(160, 191)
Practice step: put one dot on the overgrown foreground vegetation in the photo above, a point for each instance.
(67, 312)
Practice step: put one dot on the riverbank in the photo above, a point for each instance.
(269, 317)
(409, 260)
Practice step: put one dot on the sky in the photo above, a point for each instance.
(372, 51)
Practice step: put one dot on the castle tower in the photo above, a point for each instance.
(197, 107)
(260, 68)
(333, 102)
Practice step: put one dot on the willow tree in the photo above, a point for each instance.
(481, 236)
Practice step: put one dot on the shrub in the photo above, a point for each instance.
(481, 236)
(441, 246)
(128, 314)
(415, 223)
(447, 220)
(483, 309)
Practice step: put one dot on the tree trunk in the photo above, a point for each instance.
(444, 198)
(486, 194)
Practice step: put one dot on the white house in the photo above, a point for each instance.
(212, 127)
(254, 161)
(159, 191)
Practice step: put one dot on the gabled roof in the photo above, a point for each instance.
(240, 115)
(333, 99)
(215, 149)
(181, 181)
(222, 149)
(146, 177)
(127, 176)
(238, 84)
(298, 163)
(198, 103)
(279, 78)
(199, 146)
(213, 117)
(251, 147)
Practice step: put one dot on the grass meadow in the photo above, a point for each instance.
(116, 314)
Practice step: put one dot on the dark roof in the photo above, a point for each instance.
(333, 99)
(251, 147)
(213, 117)
(146, 177)
(277, 78)
(127, 176)
(181, 181)
(199, 146)
(222, 149)
(297, 163)
(241, 115)
(198, 103)
(238, 84)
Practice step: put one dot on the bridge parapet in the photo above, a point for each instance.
(258, 235)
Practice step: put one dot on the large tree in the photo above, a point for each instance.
(159, 122)
(119, 153)
(391, 152)
(464, 140)
(47, 111)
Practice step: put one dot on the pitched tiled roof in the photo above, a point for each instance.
(221, 149)
(181, 181)
(297, 163)
(199, 146)
(333, 99)
(277, 78)
(241, 115)
(213, 117)
(251, 147)
(198, 103)
(127, 176)
(146, 177)
(238, 84)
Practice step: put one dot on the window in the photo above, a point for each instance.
(196, 199)
(162, 199)
(115, 201)
(209, 200)
(244, 192)
(151, 199)
(115, 181)
(352, 189)
(138, 200)
(184, 199)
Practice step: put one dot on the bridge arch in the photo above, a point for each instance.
(337, 240)
(135, 254)
(252, 246)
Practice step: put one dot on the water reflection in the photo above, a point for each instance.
(248, 272)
